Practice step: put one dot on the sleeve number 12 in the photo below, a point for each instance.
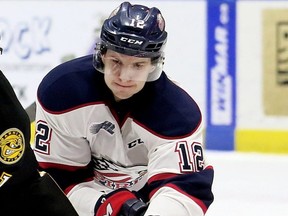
(191, 159)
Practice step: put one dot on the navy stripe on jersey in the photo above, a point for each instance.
(196, 184)
(14, 119)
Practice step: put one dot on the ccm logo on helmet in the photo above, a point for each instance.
(131, 41)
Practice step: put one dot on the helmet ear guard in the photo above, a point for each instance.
(99, 50)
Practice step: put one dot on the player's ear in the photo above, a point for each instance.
(153, 67)
(102, 56)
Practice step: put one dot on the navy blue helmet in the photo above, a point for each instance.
(134, 30)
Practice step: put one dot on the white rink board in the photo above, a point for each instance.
(52, 30)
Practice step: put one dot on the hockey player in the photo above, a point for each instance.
(22, 190)
(118, 135)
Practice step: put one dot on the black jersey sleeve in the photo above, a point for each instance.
(18, 164)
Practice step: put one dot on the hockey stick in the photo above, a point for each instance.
(31, 111)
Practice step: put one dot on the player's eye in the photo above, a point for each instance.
(117, 62)
(138, 65)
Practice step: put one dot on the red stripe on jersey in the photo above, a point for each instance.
(68, 189)
(47, 165)
(196, 200)
(161, 177)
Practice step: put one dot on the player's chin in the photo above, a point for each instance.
(122, 95)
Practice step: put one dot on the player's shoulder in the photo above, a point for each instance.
(172, 112)
(69, 84)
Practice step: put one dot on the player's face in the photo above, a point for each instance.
(125, 75)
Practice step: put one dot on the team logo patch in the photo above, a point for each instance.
(106, 125)
(12, 146)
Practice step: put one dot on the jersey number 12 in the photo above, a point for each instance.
(191, 156)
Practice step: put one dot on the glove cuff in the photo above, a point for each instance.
(111, 204)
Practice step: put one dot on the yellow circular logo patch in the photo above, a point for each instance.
(12, 146)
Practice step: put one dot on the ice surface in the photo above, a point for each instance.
(249, 184)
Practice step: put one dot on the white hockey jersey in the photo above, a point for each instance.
(150, 143)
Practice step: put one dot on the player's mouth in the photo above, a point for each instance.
(123, 85)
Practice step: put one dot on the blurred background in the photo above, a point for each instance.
(231, 56)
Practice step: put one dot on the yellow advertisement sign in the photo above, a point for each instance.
(275, 62)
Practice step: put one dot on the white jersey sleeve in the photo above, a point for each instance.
(167, 202)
